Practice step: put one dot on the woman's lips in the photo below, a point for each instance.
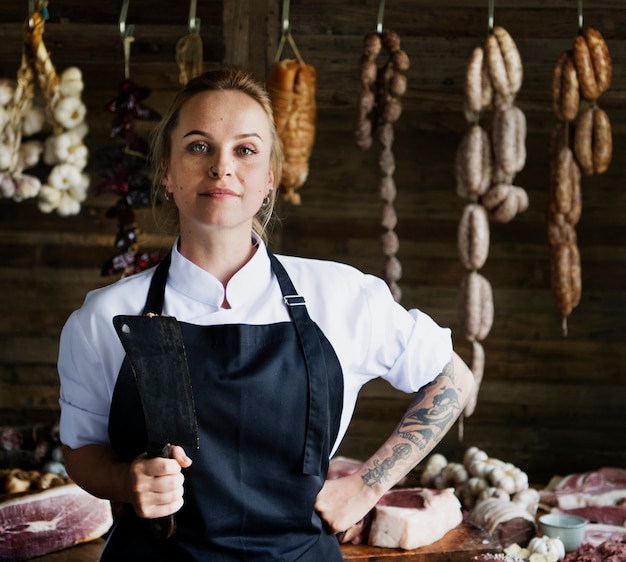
(219, 193)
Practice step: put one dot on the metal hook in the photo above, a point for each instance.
(194, 22)
(127, 37)
(381, 13)
(285, 17)
(125, 31)
(580, 15)
(490, 17)
(31, 11)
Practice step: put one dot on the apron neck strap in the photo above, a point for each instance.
(156, 293)
(316, 435)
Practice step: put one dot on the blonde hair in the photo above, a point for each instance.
(165, 211)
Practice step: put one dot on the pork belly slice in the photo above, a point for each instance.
(409, 518)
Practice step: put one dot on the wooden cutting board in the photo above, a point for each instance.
(458, 545)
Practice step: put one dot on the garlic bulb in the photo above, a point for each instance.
(49, 199)
(70, 112)
(7, 185)
(27, 187)
(529, 498)
(434, 465)
(68, 206)
(64, 176)
(550, 549)
(34, 121)
(69, 148)
(30, 152)
(71, 84)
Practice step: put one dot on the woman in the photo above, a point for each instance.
(275, 379)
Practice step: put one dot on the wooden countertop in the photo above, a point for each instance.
(459, 545)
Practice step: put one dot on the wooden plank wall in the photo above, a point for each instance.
(550, 404)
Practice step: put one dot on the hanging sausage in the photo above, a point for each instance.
(581, 144)
(486, 164)
(380, 106)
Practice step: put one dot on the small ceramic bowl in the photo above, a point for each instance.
(569, 528)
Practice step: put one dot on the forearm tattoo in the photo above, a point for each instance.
(380, 471)
(434, 410)
(431, 414)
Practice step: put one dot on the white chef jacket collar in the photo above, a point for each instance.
(187, 278)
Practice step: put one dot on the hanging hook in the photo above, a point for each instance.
(127, 37)
(286, 35)
(31, 11)
(381, 13)
(194, 22)
(286, 24)
(580, 15)
(125, 31)
(490, 17)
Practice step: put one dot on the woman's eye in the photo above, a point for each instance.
(198, 147)
(247, 150)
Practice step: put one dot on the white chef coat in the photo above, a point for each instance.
(372, 335)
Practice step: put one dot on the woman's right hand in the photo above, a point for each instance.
(156, 485)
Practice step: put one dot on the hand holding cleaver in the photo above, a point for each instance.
(156, 352)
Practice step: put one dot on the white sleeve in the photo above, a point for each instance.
(407, 348)
(428, 350)
(85, 396)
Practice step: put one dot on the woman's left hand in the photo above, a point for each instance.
(343, 502)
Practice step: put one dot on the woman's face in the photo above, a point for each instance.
(219, 169)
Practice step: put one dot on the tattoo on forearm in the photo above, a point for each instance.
(437, 405)
(380, 471)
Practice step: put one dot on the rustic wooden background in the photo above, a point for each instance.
(550, 404)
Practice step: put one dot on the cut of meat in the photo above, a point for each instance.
(605, 486)
(38, 523)
(597, 533)
(609, 551)
(507, 522)
(408, 518)
(607, 514)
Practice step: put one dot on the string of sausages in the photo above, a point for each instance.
(581, 143)
(485, 168)
(380, 107)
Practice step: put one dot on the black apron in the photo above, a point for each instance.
(268, 401)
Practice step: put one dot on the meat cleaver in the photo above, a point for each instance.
(156, 352)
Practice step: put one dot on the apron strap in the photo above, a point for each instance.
(313, 356)
(156, 294)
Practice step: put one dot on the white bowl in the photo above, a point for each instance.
(569, 528)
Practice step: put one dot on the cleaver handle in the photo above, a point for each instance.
(162, 527)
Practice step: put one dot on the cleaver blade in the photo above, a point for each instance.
(156, 352)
